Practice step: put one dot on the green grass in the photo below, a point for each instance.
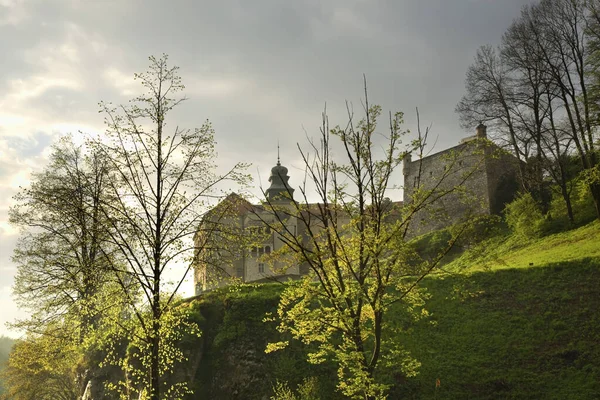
(514, 319)
(500, 328)
(506, 251)
(529, 333)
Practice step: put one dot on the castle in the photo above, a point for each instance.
(474, 177)
(240, 263)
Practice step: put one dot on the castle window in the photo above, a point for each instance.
(261, 268)
(267, 249)
(261, 251)
(254, 251)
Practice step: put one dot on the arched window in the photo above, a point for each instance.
(267, 249)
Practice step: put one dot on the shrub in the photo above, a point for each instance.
(583, 202)
(524, 217)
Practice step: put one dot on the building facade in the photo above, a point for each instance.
(476, 177)
(473, 178)
(237, 246)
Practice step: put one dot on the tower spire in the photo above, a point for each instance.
(279, 190)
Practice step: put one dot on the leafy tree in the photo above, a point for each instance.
(60, 262)
(42, 366)
(62, 256)
(161, 185)
(353, 242)
(6, 345)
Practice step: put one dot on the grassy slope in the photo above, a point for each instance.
(507, 329)
(500, 329)
(514, 252)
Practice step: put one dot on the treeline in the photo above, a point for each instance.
(104, 222)
(539, 91)
(102, 225)
(6, 345)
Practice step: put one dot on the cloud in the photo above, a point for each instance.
(261, 71)
(12, 12)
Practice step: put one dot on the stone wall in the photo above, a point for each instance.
(473, 178)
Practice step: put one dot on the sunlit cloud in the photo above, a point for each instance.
(216, 87)
(12, 12)
(121, 81)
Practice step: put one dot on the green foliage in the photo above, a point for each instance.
(307, 390)
(583, 202)
(6, 344)
(524, 217)
(525, 332)
(43, 367)
(178, 326)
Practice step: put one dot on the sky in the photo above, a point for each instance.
(261, 71)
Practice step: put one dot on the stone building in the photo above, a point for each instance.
(473, 178)
(248, 223)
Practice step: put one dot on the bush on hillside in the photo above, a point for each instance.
(583, 203)
(524, 217)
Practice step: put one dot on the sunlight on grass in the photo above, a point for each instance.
(514, 252)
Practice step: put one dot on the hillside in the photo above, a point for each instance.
(508, 320)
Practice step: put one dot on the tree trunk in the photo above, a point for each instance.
(154, 362)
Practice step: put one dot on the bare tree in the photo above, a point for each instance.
(539, 84)
(560, 28)
(490, 98)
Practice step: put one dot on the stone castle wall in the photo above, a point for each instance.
(474, 178)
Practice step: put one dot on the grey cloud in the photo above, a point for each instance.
(273, 64)
(28, 147)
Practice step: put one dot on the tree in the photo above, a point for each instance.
(353, 242)
(41, 366)
(489, 98)
(6, 345)
(543, 91)
(60, 267)
(162, 183)
(63, 254)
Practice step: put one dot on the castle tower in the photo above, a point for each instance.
(481, 131)
(279, 188)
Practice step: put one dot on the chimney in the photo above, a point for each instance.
(406, 160)
(481, 131)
